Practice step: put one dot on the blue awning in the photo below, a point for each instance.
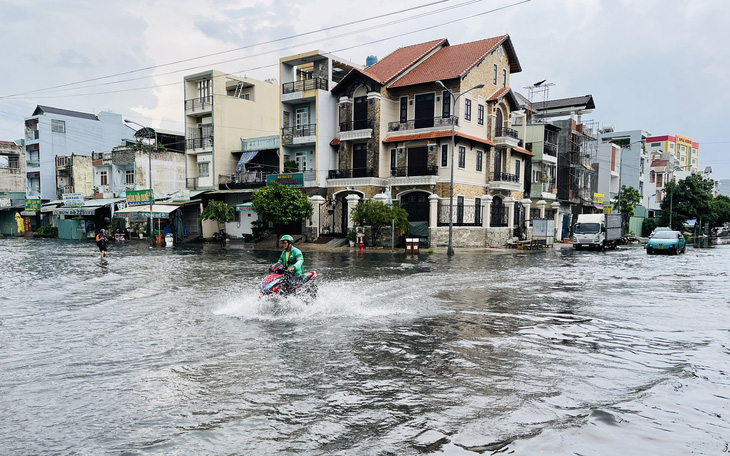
(245, 158)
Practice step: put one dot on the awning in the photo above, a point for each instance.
(85, 210)
(158, 211)
(245, 158)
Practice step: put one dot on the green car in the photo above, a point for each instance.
(671, 242)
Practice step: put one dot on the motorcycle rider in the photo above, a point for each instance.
(292, 259)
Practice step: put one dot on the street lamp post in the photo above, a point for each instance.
(149, 133)
(450, 249)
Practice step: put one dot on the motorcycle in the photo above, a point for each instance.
(281, 283)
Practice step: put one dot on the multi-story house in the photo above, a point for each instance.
(128, 167)
(52, 132)
(221, 110)
(74, 174)
(12, 167)
(631, 158)
(309, 114)
(686, 151)
(397, 120)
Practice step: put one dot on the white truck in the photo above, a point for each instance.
(597, 231)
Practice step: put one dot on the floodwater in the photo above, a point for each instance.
(170, 351)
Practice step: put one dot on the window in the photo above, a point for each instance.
(404, 109)
(302, 118)
(494, 75)
(517, 169)
(392, 159)
(659, 180)
(462, 157)
(652, 176)
(656, 144)
(683, 148)
(504, 77)
(444, 155)
(671, 146)
(103, 178)
(480, 156)
(203, 169)
(204, 89)
(58, 126)
(129, 176)
(480, 114)
(467, 109)
(445, 103)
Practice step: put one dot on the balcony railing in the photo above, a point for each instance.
(31, 135)
(347, 173)
(199, 143)
(409, 171)
(504, 131)
(356, 125)
(199, 104)
(191, 183)
(242, 180)
(429, 122)
(504, 177)
(551, 149)
(303, 85)
(288, 134)
(32, 164)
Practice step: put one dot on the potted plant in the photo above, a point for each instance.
(351, 237)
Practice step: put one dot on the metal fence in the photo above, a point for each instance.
(463, 215)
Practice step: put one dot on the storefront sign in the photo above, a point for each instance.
(75, 211)
(598, 198)
(139, 197)
(73, 199)
(245, 207)
(288, 180)
(5, 202)
(32, 205)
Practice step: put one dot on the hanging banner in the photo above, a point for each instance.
(288, 180)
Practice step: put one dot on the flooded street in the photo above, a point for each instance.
(170, 351)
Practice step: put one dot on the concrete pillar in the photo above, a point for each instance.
(433, 209)
(382, 197)
(487, 214)
(509, 206)
(352, 201)
(317, 202)
(527, 204)
(541, 205)
(556, 208)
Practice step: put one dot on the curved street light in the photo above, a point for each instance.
(149, 133)
(450, 249)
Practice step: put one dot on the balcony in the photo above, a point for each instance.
(304, 85)
(252, 179)
(32, 135)
(504, 181)
(416, 124)
(550, 149)
(303, 134)
(506, 137)
(200, 105)
(414, 175)
(32, 164)
(191, 183)
(349, 173)
(204, 143)
(359, 129)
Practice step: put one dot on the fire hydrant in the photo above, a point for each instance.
(361, 247)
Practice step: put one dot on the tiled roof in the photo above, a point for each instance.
(8, 143)
(399, 60)
(335, 142)
(63, 112)
(433, 135)
(584, 102)
(450, 62)
(524, 151)
(498, 94)
(657, 163)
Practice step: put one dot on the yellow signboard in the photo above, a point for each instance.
(598, 198)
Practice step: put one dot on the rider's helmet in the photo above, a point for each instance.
(286, 237)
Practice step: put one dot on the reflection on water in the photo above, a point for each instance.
(170, 351)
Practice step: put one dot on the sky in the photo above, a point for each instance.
(657, 65)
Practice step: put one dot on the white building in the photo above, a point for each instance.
(52, 132)
(628, 165)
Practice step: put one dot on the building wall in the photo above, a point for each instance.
(12, 179)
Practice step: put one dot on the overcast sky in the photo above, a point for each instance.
(657, 65)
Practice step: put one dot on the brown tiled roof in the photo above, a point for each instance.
(399, 60)
(435, 134)
(450, 62)
(656, 163)
(524, 151)
(498, 94)
(335, 142)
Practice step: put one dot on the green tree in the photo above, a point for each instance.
(281, 205)
(627, 199)
(377, 214)
(218, 211)
(721, 207)
(690, 198)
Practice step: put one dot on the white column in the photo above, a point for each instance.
(527, 204)
(352, 200)
(487, 214)
(556, 208)
(317, 202)
(541, 205)
(509, 206)
(433, 208)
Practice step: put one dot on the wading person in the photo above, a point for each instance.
(101, 242)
